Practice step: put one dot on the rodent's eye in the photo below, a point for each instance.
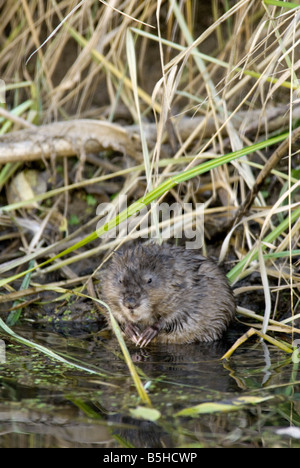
(120, 280)
(149, 280)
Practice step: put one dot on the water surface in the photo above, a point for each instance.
(46, 403)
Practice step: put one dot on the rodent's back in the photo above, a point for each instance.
(182, 293)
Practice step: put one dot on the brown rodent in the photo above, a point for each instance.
(167, 294)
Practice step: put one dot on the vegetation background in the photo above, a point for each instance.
(186, 101)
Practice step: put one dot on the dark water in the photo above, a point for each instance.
(46, 403)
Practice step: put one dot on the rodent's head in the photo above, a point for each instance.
(133, 283)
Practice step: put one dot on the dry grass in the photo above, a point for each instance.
(180, 88)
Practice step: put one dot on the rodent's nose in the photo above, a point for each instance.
(130, 302)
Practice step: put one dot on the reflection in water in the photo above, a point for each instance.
(44, 403)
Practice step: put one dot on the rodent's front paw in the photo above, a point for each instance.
(132, 332)
(147, 336)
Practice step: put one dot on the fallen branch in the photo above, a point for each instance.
(82, 136)
(66, 139)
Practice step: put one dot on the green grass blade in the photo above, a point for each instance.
(279, 3)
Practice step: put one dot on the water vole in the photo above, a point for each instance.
(167, 294)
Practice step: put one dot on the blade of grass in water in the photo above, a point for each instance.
(48, 352)
(137, 382)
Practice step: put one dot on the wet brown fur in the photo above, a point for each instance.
(167, 294)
